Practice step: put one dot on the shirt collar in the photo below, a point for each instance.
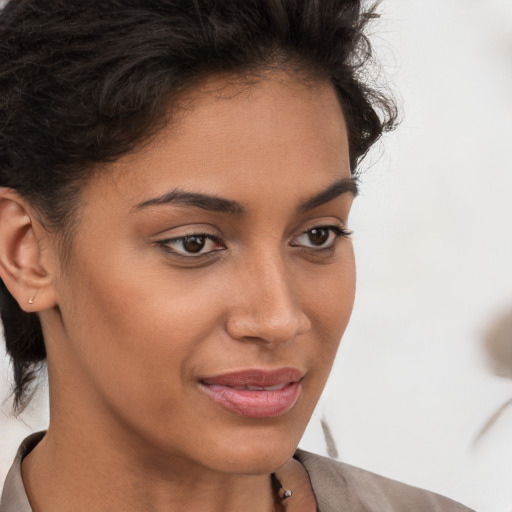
(14, 497)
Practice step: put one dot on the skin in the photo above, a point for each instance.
(131, 326)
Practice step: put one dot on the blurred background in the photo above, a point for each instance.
(421, 390)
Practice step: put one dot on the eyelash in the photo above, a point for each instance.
(338, 232)
(166, 244)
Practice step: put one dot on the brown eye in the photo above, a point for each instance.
(321, 237)
(194, 243)
(318, 236)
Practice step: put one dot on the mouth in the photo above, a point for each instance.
(255, 393)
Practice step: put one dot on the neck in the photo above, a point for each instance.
(60, 474)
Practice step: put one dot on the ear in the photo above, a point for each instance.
(25, 254)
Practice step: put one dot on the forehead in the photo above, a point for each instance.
(244, 135)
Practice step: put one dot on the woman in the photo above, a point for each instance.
(177, 183)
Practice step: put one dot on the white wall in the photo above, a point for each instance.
(411, 390)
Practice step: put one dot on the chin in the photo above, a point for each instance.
(251, 462)
(254, 451)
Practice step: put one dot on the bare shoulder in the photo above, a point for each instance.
(339, 486)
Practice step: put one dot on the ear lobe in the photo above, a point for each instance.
(23, 267)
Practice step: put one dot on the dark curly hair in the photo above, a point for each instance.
(85, 82)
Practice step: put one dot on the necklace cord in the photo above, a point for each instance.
(276, 487)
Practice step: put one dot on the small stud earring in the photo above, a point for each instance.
(31, 300)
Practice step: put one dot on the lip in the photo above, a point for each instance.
(255, 393)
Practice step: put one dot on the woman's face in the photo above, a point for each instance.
(210, 279)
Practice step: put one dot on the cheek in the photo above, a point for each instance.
(329, 299)
(331, 296)
(134, 332)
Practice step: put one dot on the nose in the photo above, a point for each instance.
(266, 305)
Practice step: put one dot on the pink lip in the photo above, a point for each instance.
(235, 391)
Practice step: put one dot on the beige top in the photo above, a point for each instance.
(338, 487)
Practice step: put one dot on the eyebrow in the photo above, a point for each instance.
(218, 204)
(338, 188)
(196, 200)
